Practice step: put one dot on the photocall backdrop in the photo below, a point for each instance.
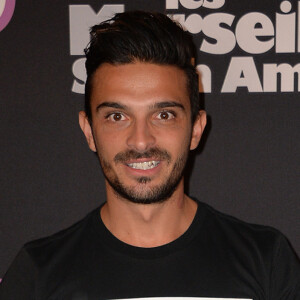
(248, 162)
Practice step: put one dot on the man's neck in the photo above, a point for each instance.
(148, 225)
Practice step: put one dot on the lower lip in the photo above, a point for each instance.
(141, 172)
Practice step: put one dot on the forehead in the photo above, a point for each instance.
(139, 84)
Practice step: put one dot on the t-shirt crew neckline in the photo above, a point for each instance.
(155, 252)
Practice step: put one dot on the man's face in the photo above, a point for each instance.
(141, 129)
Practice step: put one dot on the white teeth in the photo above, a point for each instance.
(144, 165)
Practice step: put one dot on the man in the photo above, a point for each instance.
(149, 239)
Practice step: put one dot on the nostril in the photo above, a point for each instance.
(140, 137)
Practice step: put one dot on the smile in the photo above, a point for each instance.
(147, 165)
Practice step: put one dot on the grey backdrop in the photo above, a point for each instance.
(247, 164)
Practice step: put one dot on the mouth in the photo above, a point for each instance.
(146, 165)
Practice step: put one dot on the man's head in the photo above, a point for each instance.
(144, 37)
(141, 95)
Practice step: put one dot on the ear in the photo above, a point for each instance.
(198, 128)
(87, 130)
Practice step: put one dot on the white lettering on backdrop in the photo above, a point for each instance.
(254, 33)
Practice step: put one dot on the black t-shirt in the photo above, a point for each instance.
(218, 257)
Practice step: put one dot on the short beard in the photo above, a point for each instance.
(157, 194)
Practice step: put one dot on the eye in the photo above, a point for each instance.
(166, 115)
(115, 117)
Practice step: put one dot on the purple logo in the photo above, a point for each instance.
(7, 8)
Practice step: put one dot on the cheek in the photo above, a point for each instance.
(109, 145)
(104, 137)
(176, 140)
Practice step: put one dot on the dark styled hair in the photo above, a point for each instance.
(146, 37)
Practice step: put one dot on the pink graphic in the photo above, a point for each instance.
(7, 8)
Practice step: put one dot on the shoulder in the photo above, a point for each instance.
(258, 250)
(228, 224)
(262, 241)
(61, 243)
(50, 257)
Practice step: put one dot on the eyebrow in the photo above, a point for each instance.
(110, 104)
(163, 104)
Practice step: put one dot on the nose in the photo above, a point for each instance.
(141, 136)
